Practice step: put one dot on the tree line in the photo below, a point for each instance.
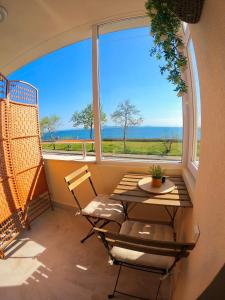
(125, 115)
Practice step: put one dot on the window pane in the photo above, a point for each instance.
(64, 81)
(142, 113)
(197, 103)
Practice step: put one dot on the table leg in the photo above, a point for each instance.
(172, 214)
(125, 208)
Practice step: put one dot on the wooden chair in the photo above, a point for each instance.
(145, 246)
(101, 209)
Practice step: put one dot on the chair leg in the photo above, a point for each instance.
(88, 236)
(160, 282)
(110, 296)
(91, 232)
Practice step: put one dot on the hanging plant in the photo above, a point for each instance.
(168, 44)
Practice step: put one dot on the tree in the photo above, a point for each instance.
(86, 118)
(126, 115)
(167, 144)
(49, 125)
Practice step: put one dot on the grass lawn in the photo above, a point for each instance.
(116, 147)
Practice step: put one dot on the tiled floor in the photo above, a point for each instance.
(49, 263)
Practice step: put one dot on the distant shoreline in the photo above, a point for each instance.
(116, 133)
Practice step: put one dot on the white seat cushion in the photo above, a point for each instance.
(102, 207)
(147, 231)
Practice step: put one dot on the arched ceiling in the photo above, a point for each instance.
(36, 27)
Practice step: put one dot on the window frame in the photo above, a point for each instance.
(96, 109)
(191, 100)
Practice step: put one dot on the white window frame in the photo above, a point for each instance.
(95, 87)
(191, 101)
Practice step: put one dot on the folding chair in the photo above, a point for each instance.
(101, 209)
(144, 246)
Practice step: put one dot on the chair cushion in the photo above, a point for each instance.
(102, 207)
(147, 231)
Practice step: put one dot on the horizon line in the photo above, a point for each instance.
(111, 126)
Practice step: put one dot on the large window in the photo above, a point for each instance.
(141, 114)
(138, 116)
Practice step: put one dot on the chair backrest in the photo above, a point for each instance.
(77, 177)
(149, 246)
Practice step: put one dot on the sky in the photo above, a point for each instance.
(64, 79)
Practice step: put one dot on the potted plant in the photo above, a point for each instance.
(157, 174)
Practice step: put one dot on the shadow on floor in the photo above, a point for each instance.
(49, 263)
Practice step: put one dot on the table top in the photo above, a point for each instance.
(166, 187)
(128, 191)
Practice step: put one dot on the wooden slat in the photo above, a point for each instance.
(128, 191)
(136, 177)
(37, 213)
(76, 173)
(131, 183)
(153, 196)
(6, 243)
(79, 181)
(147, 241)
(153, 201)
(131, 179)
(139, 176)
(177, 190)
(128, 183)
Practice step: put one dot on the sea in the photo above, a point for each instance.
(111, 132)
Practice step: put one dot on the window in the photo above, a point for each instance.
(64, 81)
(196, 104)
(141, 114)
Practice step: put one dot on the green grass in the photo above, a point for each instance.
(116, 147)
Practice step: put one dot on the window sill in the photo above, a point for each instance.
(193, 168)
(67, 157)
(112, 161)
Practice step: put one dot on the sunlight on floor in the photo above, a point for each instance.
(21, 263)
(49, 262)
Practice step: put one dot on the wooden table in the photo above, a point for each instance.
(128, 191)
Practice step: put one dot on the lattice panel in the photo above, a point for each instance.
(7, 196)
(5, 170)
(22, 92)
(3, 86)
(31, 184)
(23, 119)
(3, 119)
(5, 199)
(38, 205)
(25, 153)
(9, 229)
(23, 187)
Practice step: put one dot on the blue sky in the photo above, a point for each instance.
(64, 79)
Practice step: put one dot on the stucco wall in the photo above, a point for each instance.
(196, 273)
(105, 178)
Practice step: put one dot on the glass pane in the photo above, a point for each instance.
(197, 103)
(142, 113)
(64, 81)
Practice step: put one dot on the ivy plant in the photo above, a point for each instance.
(168, 44)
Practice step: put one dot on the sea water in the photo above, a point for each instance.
(108, 132)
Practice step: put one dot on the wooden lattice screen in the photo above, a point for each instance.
(23, 188)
